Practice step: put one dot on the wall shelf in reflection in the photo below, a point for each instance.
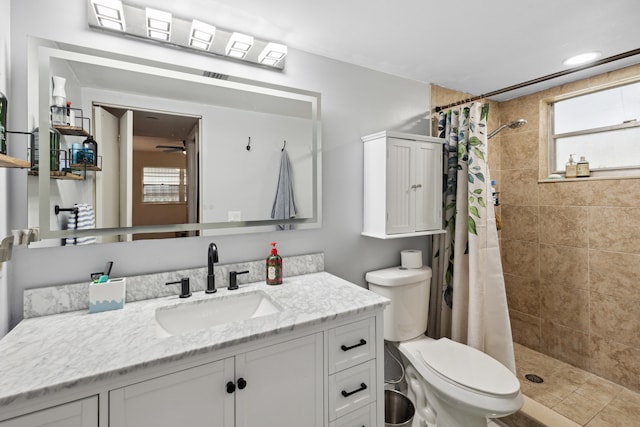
(60, 175)
(12, 162)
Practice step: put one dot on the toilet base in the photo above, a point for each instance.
(431, 411)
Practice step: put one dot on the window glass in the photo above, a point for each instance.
(598, 109)
(164, 185)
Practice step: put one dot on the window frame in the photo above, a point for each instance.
(552, 137)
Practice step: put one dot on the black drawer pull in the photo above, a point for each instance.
(363, 386)
(345, 348)
(231, 387)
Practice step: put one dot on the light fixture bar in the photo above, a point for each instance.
(158, 24)
(109, 13)
(147, 23)
(239, 45)
(201, 35)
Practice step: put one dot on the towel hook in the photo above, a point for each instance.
(284, 145)
(249, 145)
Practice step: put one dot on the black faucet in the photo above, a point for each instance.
(211, 260)
(233, 282)
(185, 292)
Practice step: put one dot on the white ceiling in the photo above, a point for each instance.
(475, 46)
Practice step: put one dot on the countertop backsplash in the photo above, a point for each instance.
(73, 297)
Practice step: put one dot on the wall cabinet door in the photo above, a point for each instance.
(414, 186)
(428, 186)
(284, 384)
(195, 397)
(81, 413)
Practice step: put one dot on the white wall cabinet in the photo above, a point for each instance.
(81, 413)
(276, 385)
(402, 185)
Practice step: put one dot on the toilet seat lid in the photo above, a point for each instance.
(468, 367)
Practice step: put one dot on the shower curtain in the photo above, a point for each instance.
(468, 297)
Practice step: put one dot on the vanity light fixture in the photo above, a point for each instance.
(582, 58)
(272, 53)
(201, 35)
(153, 25)
(158, 24)
(109, 13)
(239, 45)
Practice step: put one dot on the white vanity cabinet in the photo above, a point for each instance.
(278, 385)
(80, 413)
(402, 185)
(316, 363)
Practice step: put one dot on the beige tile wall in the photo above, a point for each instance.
(570, 250)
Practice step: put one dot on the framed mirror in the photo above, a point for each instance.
(226, 153)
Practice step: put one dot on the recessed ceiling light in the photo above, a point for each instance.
(582, 58)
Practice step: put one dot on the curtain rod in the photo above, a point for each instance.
(543, 78)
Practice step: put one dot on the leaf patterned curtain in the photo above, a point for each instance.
(468, 283)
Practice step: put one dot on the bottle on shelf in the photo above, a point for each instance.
(583, 168)
(3, 123)
(571, 168)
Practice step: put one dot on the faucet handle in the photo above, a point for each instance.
(185, 292)
(233, 283)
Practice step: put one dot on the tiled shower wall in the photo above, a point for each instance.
(570, 250)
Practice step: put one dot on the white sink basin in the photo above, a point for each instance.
(191, 316)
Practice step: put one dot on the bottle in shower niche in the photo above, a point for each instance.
(583, 168)
(274, 267)
(571, 168)
(3, 123)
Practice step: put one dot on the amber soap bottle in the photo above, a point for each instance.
(274, 267)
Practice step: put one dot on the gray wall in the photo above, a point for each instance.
(355, 102)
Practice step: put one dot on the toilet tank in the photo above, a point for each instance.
(408, 290)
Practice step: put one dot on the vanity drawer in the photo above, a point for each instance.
(363, 417)
(352, 389)
(351, 344)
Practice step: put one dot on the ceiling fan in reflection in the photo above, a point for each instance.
(173, 148)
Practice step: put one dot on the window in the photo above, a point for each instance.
(602, 126)
(164, 185)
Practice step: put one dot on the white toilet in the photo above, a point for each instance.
(451, 384)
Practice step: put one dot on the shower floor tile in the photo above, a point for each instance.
(579, 396)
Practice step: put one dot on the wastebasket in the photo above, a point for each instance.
(398, 409)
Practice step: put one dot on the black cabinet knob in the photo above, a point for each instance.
(231, 387)
(242, 383)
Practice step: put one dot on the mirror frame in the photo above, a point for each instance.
(46, 54)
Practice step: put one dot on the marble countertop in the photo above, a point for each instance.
(46, 354)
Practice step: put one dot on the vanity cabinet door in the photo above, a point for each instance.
(195, 397)
(284, 384)
(81, 413)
